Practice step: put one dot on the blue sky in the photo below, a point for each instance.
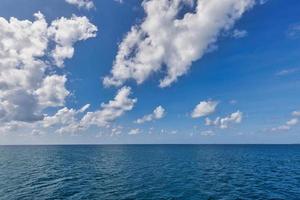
(247, 81)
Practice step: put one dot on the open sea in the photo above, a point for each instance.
(150, 172)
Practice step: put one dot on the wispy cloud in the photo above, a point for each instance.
(87, 4)
(293, 31)
(289, 123)
(134, 131)
(207, 133)
(239, 33)
(287, 71)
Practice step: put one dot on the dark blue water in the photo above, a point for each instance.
(150, 172)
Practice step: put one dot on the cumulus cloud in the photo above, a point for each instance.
(87, 4)
(26, 88)
(64, 116)
(166, 39)
(111, 110)
(224, 122)
(65, 32)
(72, 121)
(235, 117)
(52, 92)
(204, 108)
(158, 113)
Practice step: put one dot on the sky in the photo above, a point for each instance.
(151, 71)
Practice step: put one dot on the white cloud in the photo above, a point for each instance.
(26, 88)
(288, 124)
(64, 116)
(37, 132)
(87, 4)
(158, 113)
(292, 122)
(281, 128)
(239, 33)
(111, 110)
(296, 113)
(207, 133)
(224, 122)
(204, 108)
(134, 131)
(52, 92)
(235, 117)
(73, 121)
(164, 39)
(65, 32)
(209, 122)
(116, 130)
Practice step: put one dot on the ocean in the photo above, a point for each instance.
(150, 172)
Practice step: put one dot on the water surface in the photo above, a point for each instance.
(150, 172)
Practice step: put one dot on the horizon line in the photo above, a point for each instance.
(137, 144)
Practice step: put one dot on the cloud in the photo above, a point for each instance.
(285, 72)
(111, 110)
(207, 133)
(87, 4)
(292, 122)
(134, 131)
(224, 122)
(116, 130)
(204, 108)
(26, 48)
(64, 116)
(263, 1)
(119, 1)
(37, 132)
(281, 128)
(235, 117)
(52, 92)
(165, 40)
(296, 113)
(293, 31)
(65, 32)
(72, 121)
(288, 124)
(233, 102)
(239, 33)
(158, 113)
(19, 105)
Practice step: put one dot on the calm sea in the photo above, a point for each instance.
(150, 172)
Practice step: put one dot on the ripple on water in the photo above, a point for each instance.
(150, 172)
